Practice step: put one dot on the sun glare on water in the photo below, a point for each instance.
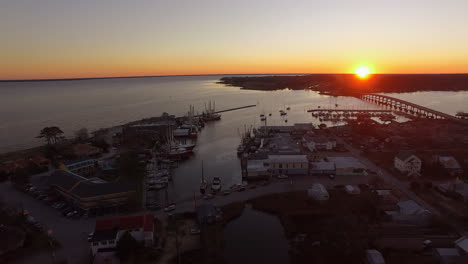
(362, 72)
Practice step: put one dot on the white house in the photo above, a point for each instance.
(108, 231)
(408, 164)
(319, 143)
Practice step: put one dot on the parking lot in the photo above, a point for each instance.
(70, 232)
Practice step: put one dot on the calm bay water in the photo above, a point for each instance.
(26, 107)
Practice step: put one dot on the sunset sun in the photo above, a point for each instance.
(362, 72)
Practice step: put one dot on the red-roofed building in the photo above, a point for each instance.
(108, 231)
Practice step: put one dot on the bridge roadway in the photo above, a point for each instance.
(411, 107)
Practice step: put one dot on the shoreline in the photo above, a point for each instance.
(348, 84)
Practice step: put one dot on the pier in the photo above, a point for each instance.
(230, 109)
(342, 111)
(407, 107)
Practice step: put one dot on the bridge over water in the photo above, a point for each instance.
(407, 107)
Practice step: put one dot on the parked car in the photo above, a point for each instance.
(72, 213)
(154, 207)
(170, 207)
(331, 176)
(42, 197)
(282, 176)
(67, 211)
(195, 231)
(208, 196)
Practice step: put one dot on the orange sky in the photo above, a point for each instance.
(91, 39)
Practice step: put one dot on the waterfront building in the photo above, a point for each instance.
(257, 168)
(408, 164)
(348, 166)
(288, 164)
(322, 168)
(91, 193)
(317, 143)
(108, 231)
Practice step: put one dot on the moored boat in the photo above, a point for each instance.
(216, 184)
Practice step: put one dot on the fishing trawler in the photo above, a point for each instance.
(210, 113)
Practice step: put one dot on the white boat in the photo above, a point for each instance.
(216, 184)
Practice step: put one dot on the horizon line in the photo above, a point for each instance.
(214, 74)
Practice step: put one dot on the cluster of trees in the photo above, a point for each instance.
(51, 134)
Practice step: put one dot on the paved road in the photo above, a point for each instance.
(277, 186)
(404, 188)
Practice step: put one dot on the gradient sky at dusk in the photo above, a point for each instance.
(89, 38)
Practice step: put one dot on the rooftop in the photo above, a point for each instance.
(85, 188)
(449, 162)
(145, 221)
(347, 162)
(288, 158)
(462, 244)
(404, 155)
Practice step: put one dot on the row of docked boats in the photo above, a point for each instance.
(157, 179)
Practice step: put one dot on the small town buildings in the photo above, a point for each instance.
(288, 164)
(283, 144)
(457, 188)
(257, 168)
(319, 143)
(318, 192)
(300, 129)
(449, 164)
(108, 231)
(447, 255)
(322, 168)
(408, 164)
(348, 166)
(409, 212)
(373, 256)
(462, 245)
(90, 193)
